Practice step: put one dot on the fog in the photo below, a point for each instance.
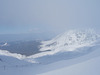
(48, 16)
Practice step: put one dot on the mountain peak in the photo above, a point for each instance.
(70, 40)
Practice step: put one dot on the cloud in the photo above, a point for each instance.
(57, 15)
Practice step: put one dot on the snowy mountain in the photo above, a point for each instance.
(21, 47)
(69, 43)
(65, 50)
(71, 40)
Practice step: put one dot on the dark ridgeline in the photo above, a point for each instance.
(22, 47)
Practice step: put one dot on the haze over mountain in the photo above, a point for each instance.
(29, 44)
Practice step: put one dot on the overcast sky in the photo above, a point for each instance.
(56, 16)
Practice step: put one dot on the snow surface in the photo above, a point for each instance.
(71, 40)
(68, 41)
(7, 53)
(72, 53)
(90, 67)
(84, 65)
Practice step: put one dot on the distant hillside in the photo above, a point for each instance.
(22, 47)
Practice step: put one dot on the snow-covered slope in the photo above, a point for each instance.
(71, 40)
(64, 66)
(90, 67)
(65, 50)
(15, 55)
(69, 44)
